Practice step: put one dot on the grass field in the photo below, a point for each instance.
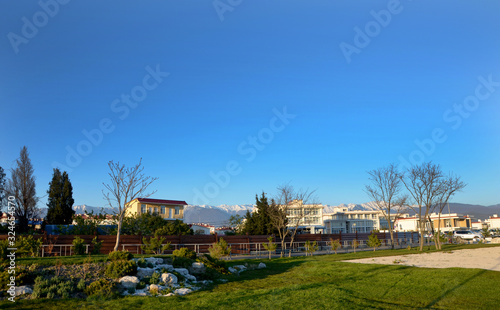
(322, 282)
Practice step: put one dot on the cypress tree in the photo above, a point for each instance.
(60, 201)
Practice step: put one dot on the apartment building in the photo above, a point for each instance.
(344, 221)
(168, 209)
(308, 217)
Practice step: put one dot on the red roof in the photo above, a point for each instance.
(162, 201)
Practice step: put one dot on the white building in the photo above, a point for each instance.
(493, 222)
(446, 222)
(309, 217)
(344, 221)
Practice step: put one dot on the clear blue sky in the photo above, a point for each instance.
(362, 83)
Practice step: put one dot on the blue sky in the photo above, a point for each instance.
(227, 99)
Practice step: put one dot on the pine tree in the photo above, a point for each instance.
(259, 222)
(60, 199)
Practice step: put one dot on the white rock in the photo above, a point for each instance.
(190, 277)
(261, 266)
(183, 291)
(166, 266)
(140, 293)
(144, 272)
(21, 290)
(240, 267)
(153, 288)
(169, 278)
(129, 281)
(154, 260)
(182, 271)
(232, 270)
(169, 294)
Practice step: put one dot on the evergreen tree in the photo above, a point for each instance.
(259, 222)
(60, 199)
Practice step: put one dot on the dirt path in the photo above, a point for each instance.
(484, 258)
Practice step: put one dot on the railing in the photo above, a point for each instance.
(51, 251)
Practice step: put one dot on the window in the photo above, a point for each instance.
(143, 209)
(177, 210)
(162, 209)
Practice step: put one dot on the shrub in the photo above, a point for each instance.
(212, 264)
(141, 285)
(101, 288)
(270, 247)
(155, 245)
(155, 278)
(27, 246)
(120, 255)
(96, 246)
(373, 241)
(310, 247)
(4, 244)
(184, 252)
(335, 244)
(142, 263)
(81, 285)
(219, 249)
(52, 288)
(78, 246)
(23, 276)
(119, 268)
(182, 262)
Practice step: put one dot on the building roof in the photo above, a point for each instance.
(162, 201)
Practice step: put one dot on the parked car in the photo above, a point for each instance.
(466, 235)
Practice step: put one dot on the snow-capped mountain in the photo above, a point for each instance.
(369, 206)
(84, 208)
(214, 215)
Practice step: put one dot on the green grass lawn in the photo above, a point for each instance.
(322, 282)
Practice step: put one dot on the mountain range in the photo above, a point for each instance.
(219, 215)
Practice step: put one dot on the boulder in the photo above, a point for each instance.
(190, 277)
(154, 260)
(198, 268)
(232, 270)
(169, 278)
(144, 272)
(129, 281)
(21, 290)
(240, 267)
(182, 271)
(166, 266)
(261, 266)
(153, 288)
(182, 291)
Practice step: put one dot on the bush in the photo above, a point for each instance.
(182, 262)
(119, 268)
(219, 249)
(142, 263)
(81, 285)
(155, 245)
(96, 246)
(27, 246)
(120, 255)
(4, 244)
(78, 246)
(213, 263)
(184, 252)
(373, 241)
(23, 276)
(155, 278)
(101, 288)
(52, 288)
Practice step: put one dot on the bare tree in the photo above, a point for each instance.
(450, 185)
(279, 221)
(290, 211)
(126, 185)
(22, 187)
(385, 192)
(427, 188)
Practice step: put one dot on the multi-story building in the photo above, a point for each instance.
(344, 221)
(167, 209)
(448, 222)
(493, 222)
(306, 217)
